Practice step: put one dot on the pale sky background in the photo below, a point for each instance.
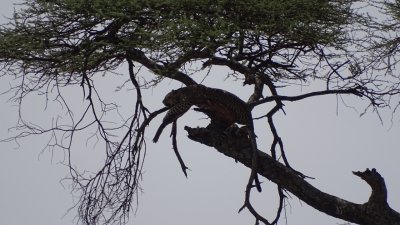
(323, 139)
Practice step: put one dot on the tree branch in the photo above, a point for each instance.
(353, 91)
(372, 212)
(165, 71)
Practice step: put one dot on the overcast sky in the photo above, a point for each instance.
(323, 139)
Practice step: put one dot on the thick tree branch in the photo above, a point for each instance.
(238, 147)
(165, 71)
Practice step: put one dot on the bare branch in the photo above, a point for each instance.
(353, 91)
(176, 151)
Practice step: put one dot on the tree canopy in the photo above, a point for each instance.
(338, 47)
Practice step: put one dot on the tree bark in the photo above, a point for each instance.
(236, 144)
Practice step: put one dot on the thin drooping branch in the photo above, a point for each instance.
(277, 140)
(139, 102)
(281, 206)
(239, 147)
(175, 147)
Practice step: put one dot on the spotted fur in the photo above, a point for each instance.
(224, 106)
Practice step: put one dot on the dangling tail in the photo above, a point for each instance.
(173, 114)
(159, 131)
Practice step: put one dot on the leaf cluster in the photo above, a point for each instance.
(67, 37)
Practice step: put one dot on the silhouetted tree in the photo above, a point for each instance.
(271, 45)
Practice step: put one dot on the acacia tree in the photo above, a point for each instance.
(271, 45)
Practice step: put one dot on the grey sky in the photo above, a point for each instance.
(323, 139)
